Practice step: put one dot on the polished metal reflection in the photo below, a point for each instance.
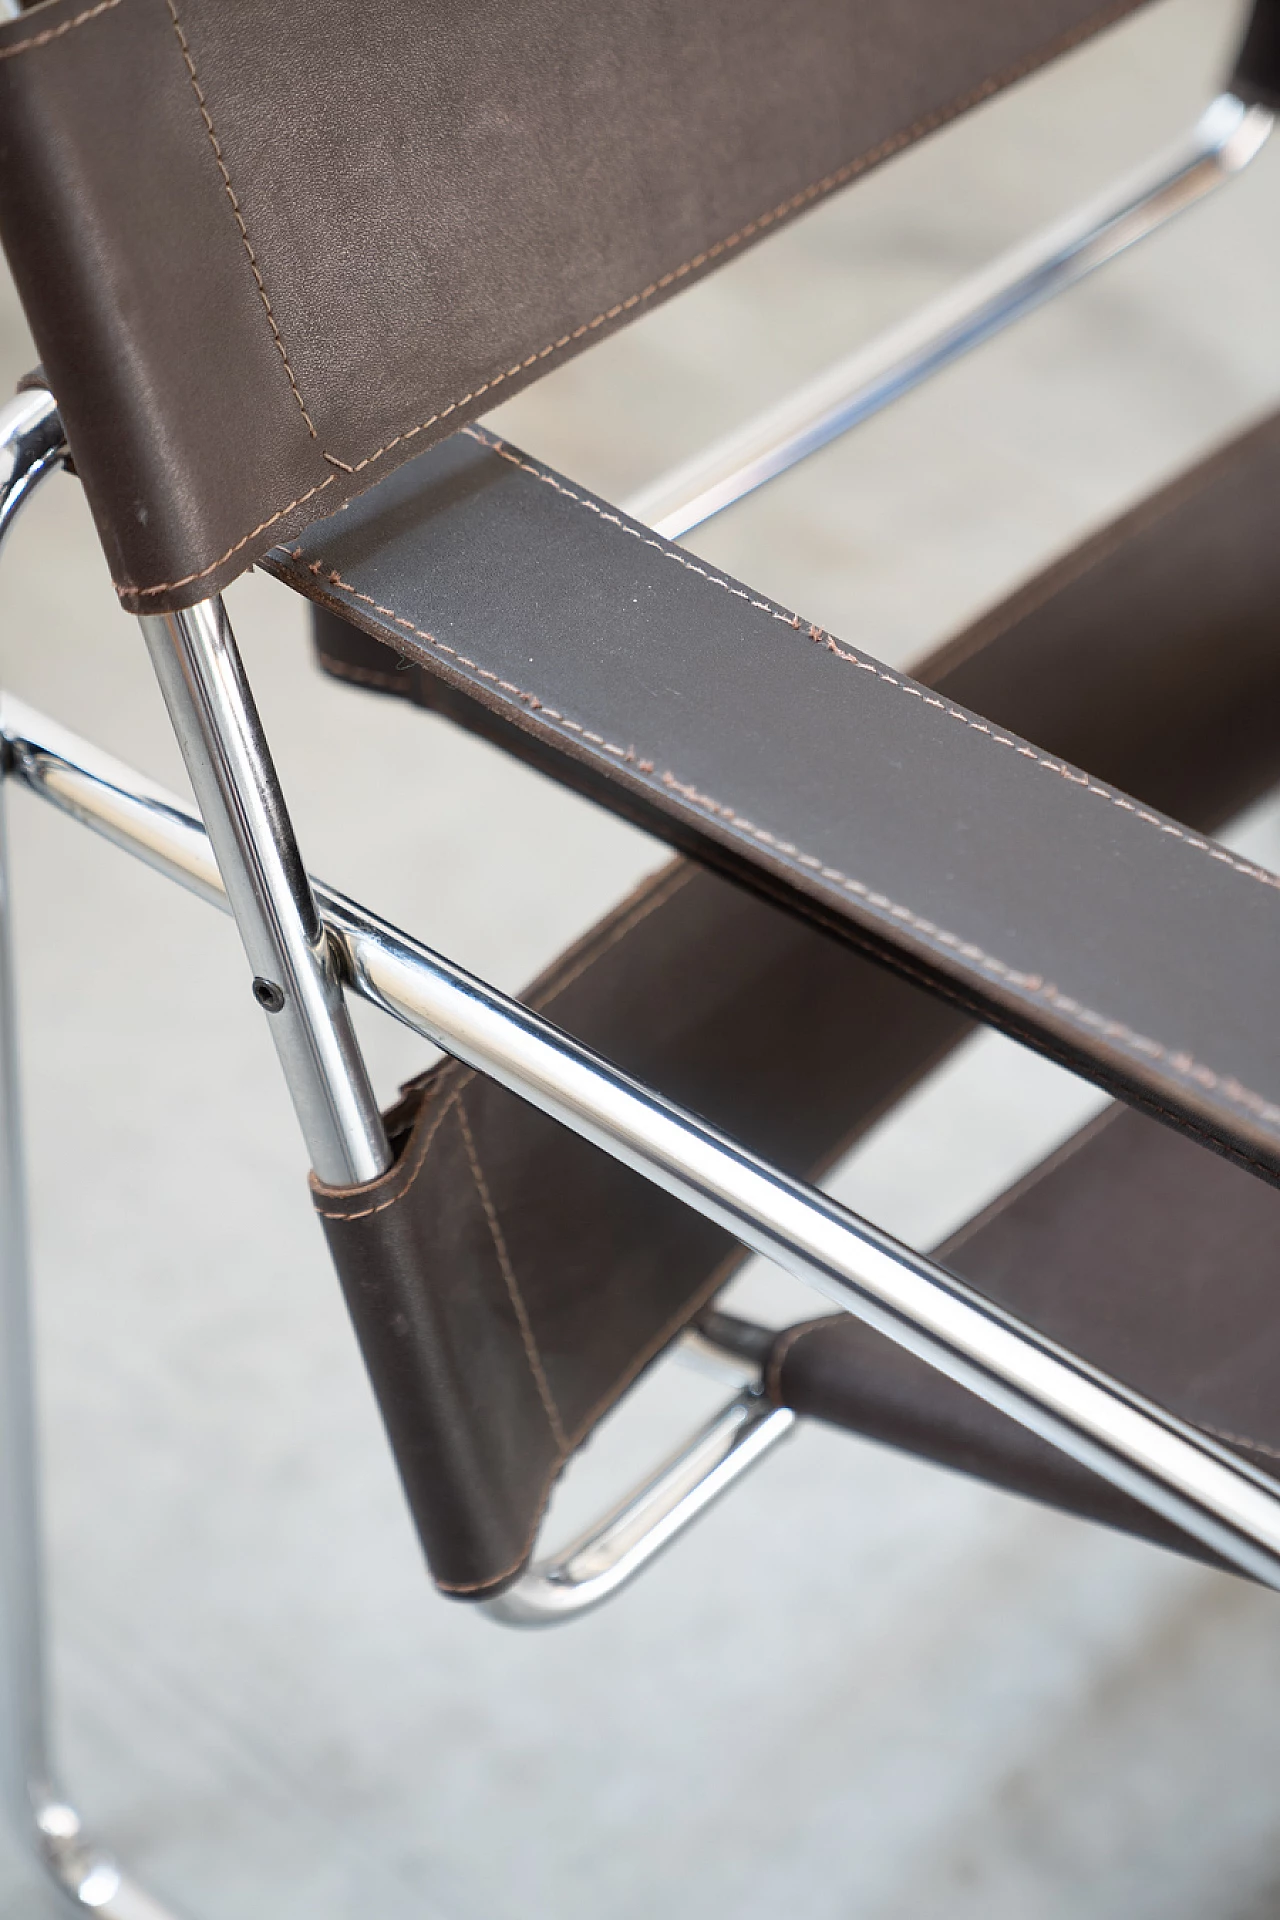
(295, 980)
(44, 1817)
(1193, 1481)
(610, 1554)
(32, 445)
(1224, 140)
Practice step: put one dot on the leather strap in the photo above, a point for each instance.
(508, 1281)
(268, 251)
(1039, 897)
(1154, 1260)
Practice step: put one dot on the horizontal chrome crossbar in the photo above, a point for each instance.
(1178, 1472)
(1223, 141)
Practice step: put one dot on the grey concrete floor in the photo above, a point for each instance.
(865, 1688)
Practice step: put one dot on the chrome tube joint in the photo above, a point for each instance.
(1179, 1472)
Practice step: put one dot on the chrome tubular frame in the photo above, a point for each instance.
(295, 981)
(1193, 1481)
(305, 943)
(1224, 140)
(31, 446)
(611, 1553)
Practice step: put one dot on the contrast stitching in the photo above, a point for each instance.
(694, 1305)
(672, 880)
(655, 893)
(235, 208)
(171, 586)
(663, 887)
(423, 1148)
(1227, 1086)
(1178, 1059)
(56, 33)
(842, 175)
(509, 1277)
(827, 184)
(849, 657)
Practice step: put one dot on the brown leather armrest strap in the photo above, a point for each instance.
(508, 1281)
(1035, 895)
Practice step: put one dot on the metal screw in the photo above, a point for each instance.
(268, 994)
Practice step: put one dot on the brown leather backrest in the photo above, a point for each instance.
(270, 250)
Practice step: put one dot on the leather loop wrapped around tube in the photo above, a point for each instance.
(508, 1280)
(972, 856)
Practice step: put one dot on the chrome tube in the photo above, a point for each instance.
(1224, 140)
(31, 447)
(1179, 1472)
(295, 980)
(610, 1554)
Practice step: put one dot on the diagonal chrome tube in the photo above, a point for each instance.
(1193, 1481)
(600, 1562)
(1224, 140)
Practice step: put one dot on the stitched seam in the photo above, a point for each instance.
(235, 208)
(600, 1407)
(660, 889)
(790, 1338)
(1226, 1086)
(56, 33)
(512, 1285)
(848, 657)
(841, 177)
(673, 881)
(668, 884)
(171, 586)
(421, 1151)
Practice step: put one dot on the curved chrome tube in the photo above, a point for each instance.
(1224, 140)
(609, 1555)
(1179, 1472)
(32, 446)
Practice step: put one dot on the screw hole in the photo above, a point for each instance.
(268, 994)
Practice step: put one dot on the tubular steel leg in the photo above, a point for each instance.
(31, 447)
(295, 980)
(44, 1817)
